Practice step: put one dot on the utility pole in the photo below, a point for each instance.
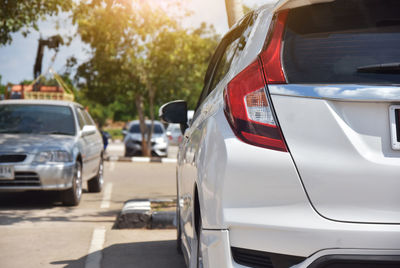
(234, 10)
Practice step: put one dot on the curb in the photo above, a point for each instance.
(112, 158)
(138, 214)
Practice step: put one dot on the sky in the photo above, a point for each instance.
(17, 59)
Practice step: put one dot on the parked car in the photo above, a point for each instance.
(174, 134)
(133, 139)
(293, 155)
(49, 145)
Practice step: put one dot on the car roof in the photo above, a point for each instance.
(40, 102)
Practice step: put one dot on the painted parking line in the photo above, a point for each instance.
(141, 159)
(95, 254)
(112, 166)
(105, 202)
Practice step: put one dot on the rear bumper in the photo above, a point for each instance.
(40, 177)
(218, 252)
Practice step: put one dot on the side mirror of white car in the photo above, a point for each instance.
(88, 130)
(174, 112)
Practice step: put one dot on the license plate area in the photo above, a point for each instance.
(6, 172)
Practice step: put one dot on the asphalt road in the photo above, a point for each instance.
(36, 231)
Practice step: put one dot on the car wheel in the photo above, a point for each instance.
(178, 229)
(96, 184)
(199, 252)
(127, 152)
(72, 196)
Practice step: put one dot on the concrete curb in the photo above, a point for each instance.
(138, 214)
(140, 159)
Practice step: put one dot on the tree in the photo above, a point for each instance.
(141, 57)
(16, 15)
(234, 10)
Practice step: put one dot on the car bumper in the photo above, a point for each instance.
(217, 252)
(40, 177)
(158, 149)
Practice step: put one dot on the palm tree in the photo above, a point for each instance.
(234, 10)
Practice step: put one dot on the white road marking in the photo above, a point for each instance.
(105, 203)
(112, 166)
(141, 159)
(93, 260)
(169, 160)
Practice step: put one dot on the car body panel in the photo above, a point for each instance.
(344, 157)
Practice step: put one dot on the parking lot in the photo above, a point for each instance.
(36, 231)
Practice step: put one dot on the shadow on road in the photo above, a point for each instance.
(33, 206)
(153, 254)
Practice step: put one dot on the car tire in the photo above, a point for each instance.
(72, 196)
(95, 185)
(199, 252)
(127, 152)
(178, 229)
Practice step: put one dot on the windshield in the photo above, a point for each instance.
(158, 129)
(36, 119)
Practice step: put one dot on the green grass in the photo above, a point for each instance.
(116, 133)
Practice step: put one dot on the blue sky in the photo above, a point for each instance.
(18, 58)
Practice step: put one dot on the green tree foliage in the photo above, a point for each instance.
(141, 57)
(2, 87)
(16, 15)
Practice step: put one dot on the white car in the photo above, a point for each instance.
(293, 155)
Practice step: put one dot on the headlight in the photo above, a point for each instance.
(52, 156)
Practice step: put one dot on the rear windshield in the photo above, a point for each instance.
(343, 41)
(136, 128)
(36, 119)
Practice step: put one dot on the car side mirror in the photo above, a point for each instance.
(174, 112)
(88, 130)
(124, 132)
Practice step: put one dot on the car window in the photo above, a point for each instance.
(88, 118)
(135, 128)
(37, 119)
(228, 51)
(336, 42)
(224, 63)
(81, 121)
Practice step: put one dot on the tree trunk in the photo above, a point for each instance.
(234, 10)
(146, 151)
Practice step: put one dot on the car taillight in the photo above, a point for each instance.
(247, 106)
(271, 56)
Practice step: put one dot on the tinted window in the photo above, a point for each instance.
(227, 53)
(224, 63)
(135, 128)
(333, 42)
(36, 119)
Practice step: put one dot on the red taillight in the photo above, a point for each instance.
(271, 56)
(247, 107)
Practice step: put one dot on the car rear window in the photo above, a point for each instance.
(36, 119)
(343, 41)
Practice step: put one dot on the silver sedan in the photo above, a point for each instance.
(49, 145)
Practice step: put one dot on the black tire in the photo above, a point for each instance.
(199, 253)
(95, 185)
(178, 229)
(72, 196)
